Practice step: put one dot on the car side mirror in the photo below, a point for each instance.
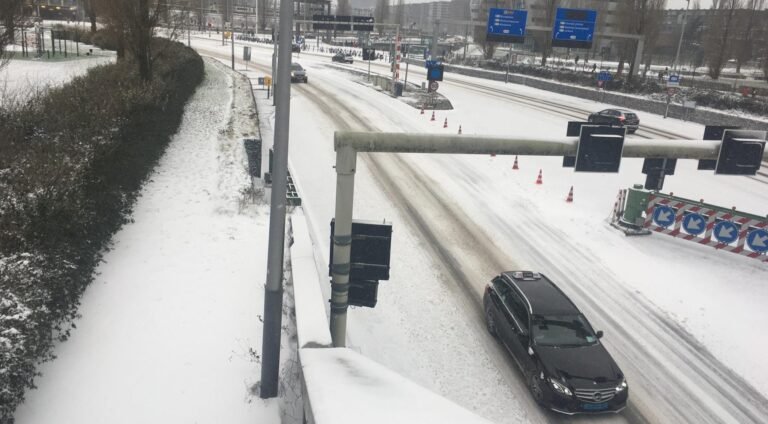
(599, 334)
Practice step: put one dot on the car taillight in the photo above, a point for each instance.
(622, 119)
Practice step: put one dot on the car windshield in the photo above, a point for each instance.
(296, 67)
(562, 331)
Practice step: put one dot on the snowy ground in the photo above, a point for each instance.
(22, 77)
(171, 329)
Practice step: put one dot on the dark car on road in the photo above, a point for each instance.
(566, 367)
(298, 74)
(617, 117)
(342, 58)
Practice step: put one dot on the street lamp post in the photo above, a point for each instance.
(682, 32)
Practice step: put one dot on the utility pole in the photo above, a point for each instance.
(232, 30)
(682, 32)
(273, 290)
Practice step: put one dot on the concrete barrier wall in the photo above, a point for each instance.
(700, 116)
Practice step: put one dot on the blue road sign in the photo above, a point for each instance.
(574, 28)
(506, 25)
(726, 232)
(757, 240)
(604, 76)
(694, 224)
(663, 216)
(261, 80)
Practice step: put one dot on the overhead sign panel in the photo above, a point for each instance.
(323, 22)
(574, 28)
(343, 23)
(363, 23)
(506, 25)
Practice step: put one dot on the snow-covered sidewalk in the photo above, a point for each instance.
(170, 329)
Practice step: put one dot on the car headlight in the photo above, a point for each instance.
(621, 387)
(560, 387)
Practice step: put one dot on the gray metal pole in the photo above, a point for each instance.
(682, 32)
(542, 146)
(346, 158)
(273, 290)
(232, 31)
(274, 65)
(434, 39)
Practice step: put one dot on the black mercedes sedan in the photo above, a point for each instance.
(566, 367)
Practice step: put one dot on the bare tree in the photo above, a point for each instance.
(719, 40)
(11, 19)
(744, 46)
(400, 17)
(133, 23)
(549, 8)
(89, 7)
(641, 17)
(381, 11)
(343, 7)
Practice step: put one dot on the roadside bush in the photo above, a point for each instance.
(71, 164)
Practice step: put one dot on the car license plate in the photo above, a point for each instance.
(595, 406)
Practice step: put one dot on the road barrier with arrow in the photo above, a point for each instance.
(722, 228)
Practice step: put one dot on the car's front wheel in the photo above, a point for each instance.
(536, 388)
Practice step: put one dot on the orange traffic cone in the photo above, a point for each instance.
(433, 116)
(514, 165)
(422, 108)
(538, 179)
(459, 129)
(569, 199)
(445, 124)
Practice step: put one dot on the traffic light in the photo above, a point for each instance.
(599, 149)
(656, 169)
(741, 152)
(574, 130)
(363, 293)
(712, 132)
(370, 250)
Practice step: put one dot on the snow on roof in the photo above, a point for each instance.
(346, 387)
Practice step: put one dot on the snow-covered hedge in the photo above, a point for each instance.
(71, 164)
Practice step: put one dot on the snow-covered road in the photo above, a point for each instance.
(474, 216)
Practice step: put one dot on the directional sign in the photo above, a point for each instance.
(757, 240)
(694, 224)
(506, 25)
(663, 216)
(726, 232)
(323, 22)
(363, 23)
(574, 28)
(673, 81)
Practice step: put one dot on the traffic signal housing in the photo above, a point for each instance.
(741, 152)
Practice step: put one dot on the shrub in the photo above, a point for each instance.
(71, 164)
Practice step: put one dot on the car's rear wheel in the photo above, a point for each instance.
(489, 322)
(537, 391)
